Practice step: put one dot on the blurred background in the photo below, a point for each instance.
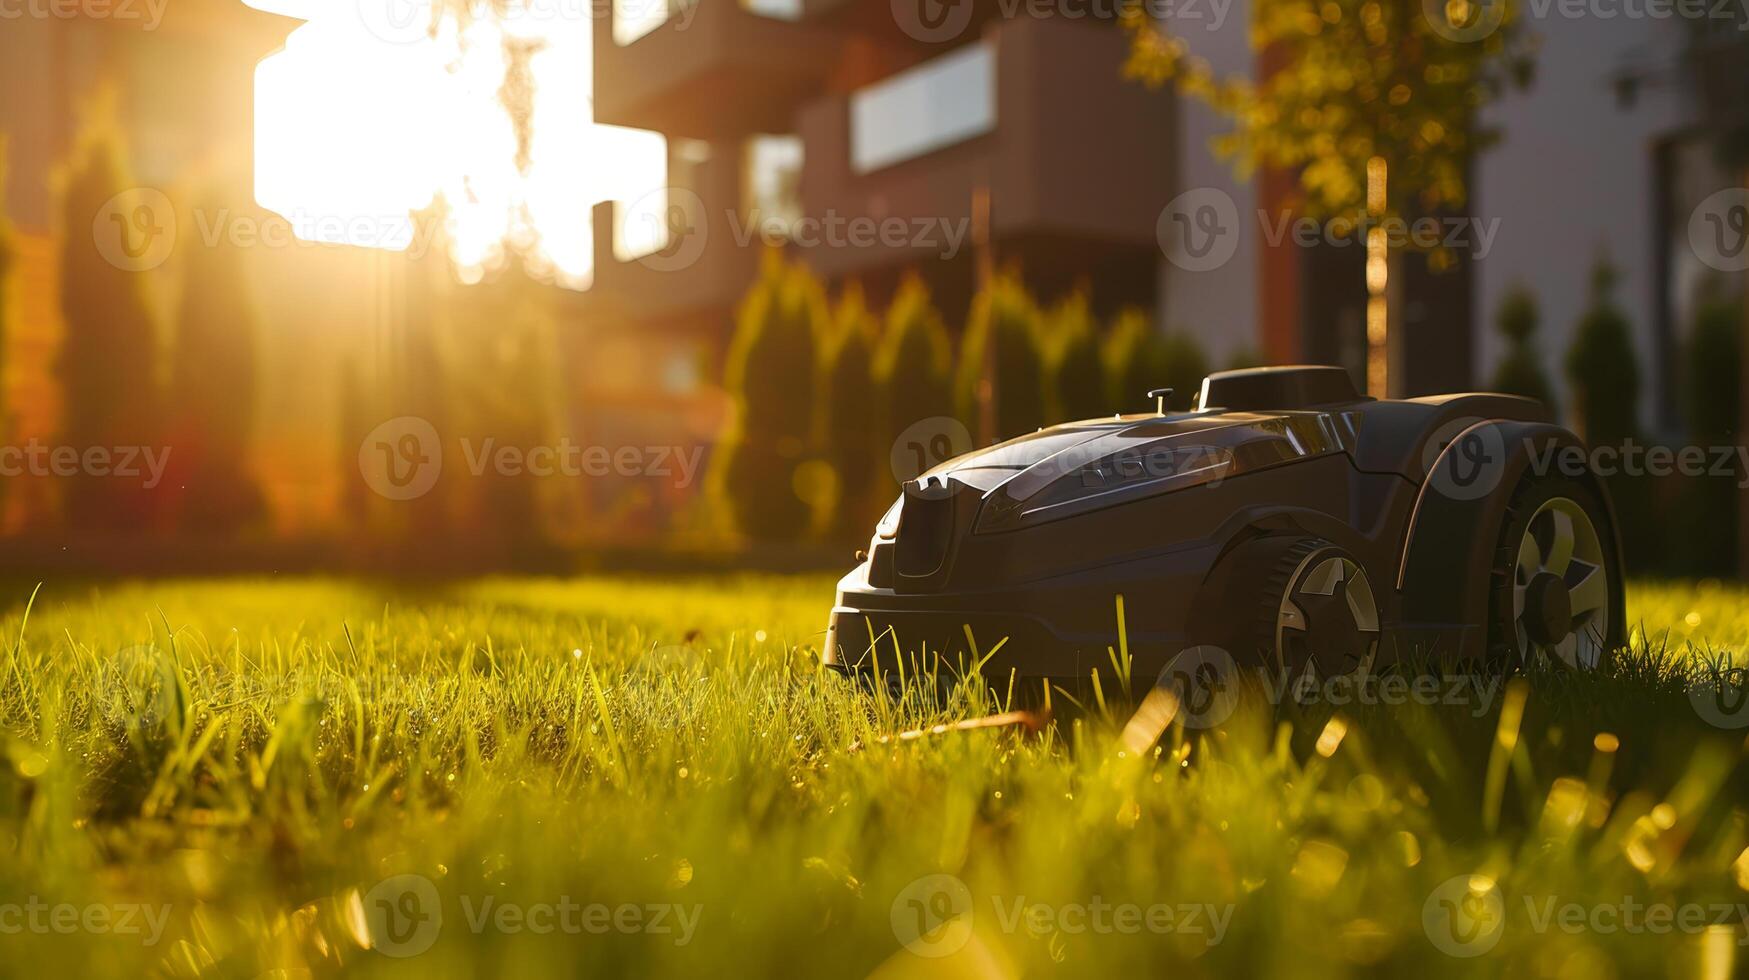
(421, 286)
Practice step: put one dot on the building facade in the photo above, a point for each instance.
(830, 130)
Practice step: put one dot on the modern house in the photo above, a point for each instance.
(1602, 153)
(868, 152)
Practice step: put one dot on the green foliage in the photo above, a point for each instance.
(771, 358)
(1135, 362)
(108, 365)
(617, 741)
(1712, 383)
(1352, 80)
(213, 370)
(1077, 374)
(1184, 365)
(500, 387)
(913, 365)
(1520, 371)
(1601, 367)
(354, 417)
(850, 441)
(1708, 512)
(1245, 357)
(7, 257)
(1139, 359)
(1000, 353)
(771, 379)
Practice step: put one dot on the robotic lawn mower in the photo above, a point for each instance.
(1287, 520)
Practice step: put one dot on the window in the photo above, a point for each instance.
(647, 221)
(773, 173)
(776, 9)
(633, 19)
(939, 103)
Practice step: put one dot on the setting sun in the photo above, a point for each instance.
(368, 115)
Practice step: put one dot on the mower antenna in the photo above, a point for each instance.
(1160, 395)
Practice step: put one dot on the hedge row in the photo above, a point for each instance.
(823, 392)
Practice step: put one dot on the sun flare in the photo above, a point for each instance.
(376, 110)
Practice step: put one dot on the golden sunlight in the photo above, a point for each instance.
(368, 114)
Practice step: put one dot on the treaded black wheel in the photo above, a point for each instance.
(1309, 604)
(1554, 585)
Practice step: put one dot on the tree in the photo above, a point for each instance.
(1604, 378)
(1706, 521)
(1601, 366)
(1371, 106)
(1521, 371)
(1184, 365)
(1710, 385)
(1717, 63)
(771, 381)
(505, 391)
(1135, 362)
(213, 382)
(913, 373)
(851, 428)
(7, 257)
(1077, 374)
(1001, 348)
(108, 365)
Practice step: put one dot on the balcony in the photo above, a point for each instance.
(1074, 162)
(709, 69)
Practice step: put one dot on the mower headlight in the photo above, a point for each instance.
(1060, 487)
(1130, 464)
(889, 523)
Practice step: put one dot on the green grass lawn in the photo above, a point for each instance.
(635, 777)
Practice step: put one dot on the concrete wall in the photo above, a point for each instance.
(1573, 173)
(1220, 306)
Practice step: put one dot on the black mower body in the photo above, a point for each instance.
(1029, 543)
